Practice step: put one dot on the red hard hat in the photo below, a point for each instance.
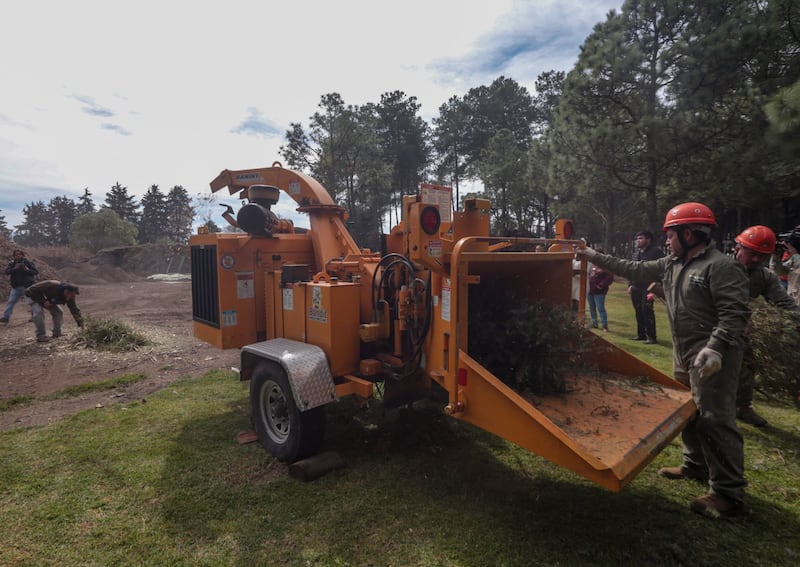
(689, 213)
(759, 238)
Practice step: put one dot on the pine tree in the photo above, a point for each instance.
(85, 203)
(118, 200)
(64, 211)
(179, 215)
(37, 227)
(153, 223)
(5, 232)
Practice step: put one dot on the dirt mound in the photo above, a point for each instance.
(122, 264)
(46, 271)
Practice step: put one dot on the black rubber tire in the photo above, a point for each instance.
(283, 430)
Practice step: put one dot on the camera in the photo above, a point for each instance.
(783, 237)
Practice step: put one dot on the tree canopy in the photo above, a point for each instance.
(166, 218)
(103, 229)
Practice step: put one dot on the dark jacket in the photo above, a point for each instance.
(764, 282)
(652, 252)
(53, 291)
(707, 298)
(599, 280)
(20, 277)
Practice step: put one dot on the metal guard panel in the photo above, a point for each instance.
(306, 367)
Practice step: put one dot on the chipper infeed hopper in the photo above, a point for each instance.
(617, 412)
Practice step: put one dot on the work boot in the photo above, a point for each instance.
(56, 334)
(650, 342)
(681, 473)
(638, 338)
(3, 319)
(42, 338)
(748, 415)
(715, 506)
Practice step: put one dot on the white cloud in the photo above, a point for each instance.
(173, 92)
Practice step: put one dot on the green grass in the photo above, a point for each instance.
(16, 401)
(76, 390)
(622, 326)
(164, 483)
(100, 386)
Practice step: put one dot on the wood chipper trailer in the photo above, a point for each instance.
(317, 318)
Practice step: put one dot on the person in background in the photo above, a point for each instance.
(576, 283)
(707, 296)
(753, 246)
(776, 260)
(51, 295)
(793, 265)
(22, 274)
(645, 313)
(599, 282)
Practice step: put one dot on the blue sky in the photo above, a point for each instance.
(172, 92)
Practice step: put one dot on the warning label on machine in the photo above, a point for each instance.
(244, 285)
(288, 299)
(446, 300)
(229, 318)
(438, 195)
(317, 313)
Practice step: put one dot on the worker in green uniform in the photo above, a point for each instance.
(707, 295)
(753, 247)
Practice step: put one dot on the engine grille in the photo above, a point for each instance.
(205, 298)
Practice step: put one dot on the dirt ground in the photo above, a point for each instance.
(161, 310)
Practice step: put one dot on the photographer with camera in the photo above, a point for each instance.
(793, 265)
(779, 255)
(23, 274)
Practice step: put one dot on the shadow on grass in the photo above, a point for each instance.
(422, 489)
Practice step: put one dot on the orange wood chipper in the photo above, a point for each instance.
(317, 318)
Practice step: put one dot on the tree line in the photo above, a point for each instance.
(667, 102)
(119, 221)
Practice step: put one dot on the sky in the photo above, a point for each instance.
(171, 92)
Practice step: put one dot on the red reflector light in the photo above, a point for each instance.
(430, 220)
(568, 230)
(462, 376)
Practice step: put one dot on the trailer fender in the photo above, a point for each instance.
(306, 367)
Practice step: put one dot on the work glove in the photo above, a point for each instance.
(588, 252)
(708, 361)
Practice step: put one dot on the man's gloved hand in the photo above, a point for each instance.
(588, 252)
(228, 208)
(708, 361)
